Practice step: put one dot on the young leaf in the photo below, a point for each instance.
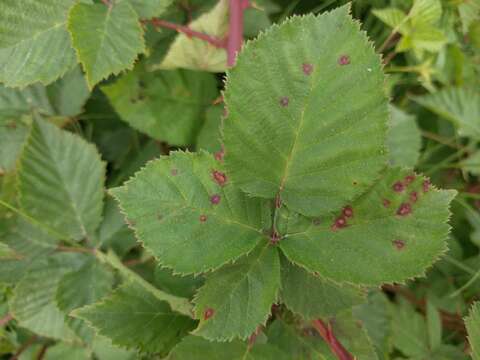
(60, 181)
(196, 54)
(133, 318)
(33, 303)
(34, 42)
(396, 230)
(237, 298)
(307, 113)
(166, 105)
(62, 351)
(461, 106)
(404, 139)
(107, 38)
(312, 296)
(391, 16)
(472, 322)
(187, 212)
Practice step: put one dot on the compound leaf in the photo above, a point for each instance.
(34, 42)
(61, 180)
(186, 212)
(307, 113)
(133, 318)
(107, 38)
(237, 298)
(396, 230)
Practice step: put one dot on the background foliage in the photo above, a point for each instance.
(105, 254)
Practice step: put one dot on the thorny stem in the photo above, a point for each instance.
(335, 345)
(235, 32)
(6, 319)
(218, 43)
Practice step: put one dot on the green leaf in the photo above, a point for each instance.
(133, 318)
(469, 12)
(13, 132)
(196, 54)
(6, 252)
(62, 351)
(391, 16)
(312, 296)
(34, 42)
(104, 350)
(378, 245)
(147, 9)
(166, 105)
(185, 218)
(107, 38)
(237, 298)
(404, 139)
(184, 286)
(60, 181)
(410, 334)
(425, 12)
(461, 106)
(235, 350)
(209, 136)
(472, 322)
(83, 287)
(302, 124)
(33, 303)
(434, 324)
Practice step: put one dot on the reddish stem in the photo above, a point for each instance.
(6, 319)
(219, 43)
(235, 33)
(335, 345)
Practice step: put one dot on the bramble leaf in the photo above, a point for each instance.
(237, 298)
(166, 105)
(307, 113)
(472, 322)
(404, 139)
(147, 9)
(314, 297)
(107, 38)
(34, 42)
(396, 230)
(13, 132)
(461, 106)
(60, 180)
(187, 212)
(133, 318)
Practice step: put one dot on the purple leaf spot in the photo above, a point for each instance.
(399, 244)
(404, 209)
(307, 68)
(215, 199)
(344, 60)
(284, 101)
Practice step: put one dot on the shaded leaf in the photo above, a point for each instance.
(472, 322)
(404, 139)
(13, 132)
(187, 219)
(300, 134)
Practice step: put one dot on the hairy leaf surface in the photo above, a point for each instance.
(61, 180)
(472, 322)
(237, 298)
(307, 113)
(34, 42)
(187, 219)
(392, 235)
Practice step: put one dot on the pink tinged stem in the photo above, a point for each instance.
(326, 332)
(235, 35)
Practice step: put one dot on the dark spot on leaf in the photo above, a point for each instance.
(398, 186)
(399, 244)
(413, 196)
(344, 60)
(174, 172)
(219, 155)
(219, 177)
(347, 211)
(208, 313)
(307, 68)
(409, 179)
(386, 202)
(160, 217)
(284, 101)
(354, 183)
(203, 218)
(12, 125)
(316, 221)
(215, 199)
(339, 223)
(426, 185)
(404, 209)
